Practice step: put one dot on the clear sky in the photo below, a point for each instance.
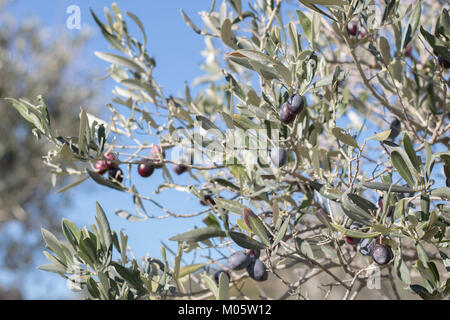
(176, 49)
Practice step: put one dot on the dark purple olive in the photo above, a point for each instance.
(101, 167)
(208, 200)
(115, 174)
(217, 275)
(296, 103)
(111, 161)
(408, 51)
(443, 63)
(395, 127)
(380, 205)
(157, 153)
(279, 157)
(257, 270)
(286, 115)
(381, 254)
(146, 168)
(254, 254)
(179, 169)
(351, 240)
(352, 28)
(366, 246)
(238, 260)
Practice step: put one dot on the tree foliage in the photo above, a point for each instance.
(366, 157)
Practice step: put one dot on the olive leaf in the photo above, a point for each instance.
(357, 208)
(355, 233)
(280, 71)
(104, 182)
(386, 187)
(224, 291)
(436, 44)
(119, 60)
(413, 23)
(227, 34)
(211, 285)
(442, 192)
(399, 163)
(306, 25)
(200, 234)
(342, 136)
(280, 234)
(188, 269)
(246, 242)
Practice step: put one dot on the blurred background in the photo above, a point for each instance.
(39, 54)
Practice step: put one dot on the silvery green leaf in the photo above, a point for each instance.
(442, 192)
(355, 233)
(306, 25)
(413, 23)
(344, 137)
(211, 285)
(224, 283)
(103, 224)
(198, 235)
(246, 242)
(227, 34)
(281, 233)
(52, 268)
(232, 206)
(436, 44)
(119, 60)
(140, 25)
(189, 22)
(399, 163)
(73, 184)
(386, 187)
(105, 182)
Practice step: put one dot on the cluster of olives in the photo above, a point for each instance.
(380, 253)
(110, 165)
(146, 167)
(352, 30)
(291, 108)
(250, 261)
